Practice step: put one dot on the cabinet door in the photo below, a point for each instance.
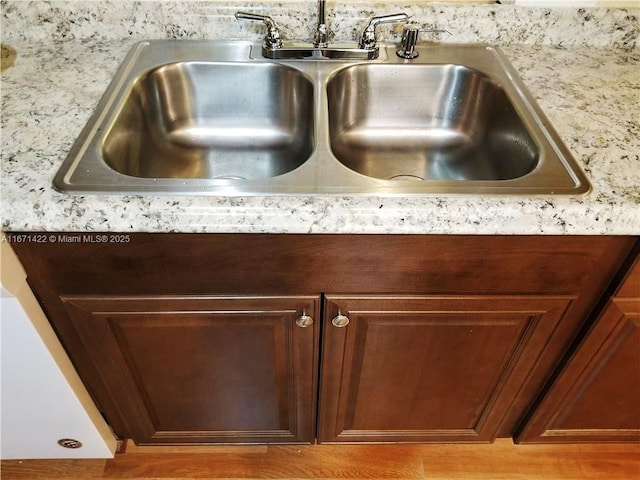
(596, 397)
(420, 369)
(204, 369)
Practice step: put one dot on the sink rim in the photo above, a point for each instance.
(82, 172)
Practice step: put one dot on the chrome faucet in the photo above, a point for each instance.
(367, 49)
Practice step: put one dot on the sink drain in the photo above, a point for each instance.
(407, 177)
(229, 177)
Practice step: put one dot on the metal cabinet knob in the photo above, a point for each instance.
(340, 320)
(304, 320)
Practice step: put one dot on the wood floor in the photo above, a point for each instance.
(501, 460)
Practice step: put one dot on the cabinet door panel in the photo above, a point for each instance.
(597, 396)
(208, 369)
(409, 369)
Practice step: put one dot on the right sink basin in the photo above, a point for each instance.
(427, 122)
(457, 119)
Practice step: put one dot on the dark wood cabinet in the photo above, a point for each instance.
(204, 369)
(193, 338)
(416, 369)
(596, 397)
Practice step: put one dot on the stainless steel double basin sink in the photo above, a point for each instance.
(216, 118)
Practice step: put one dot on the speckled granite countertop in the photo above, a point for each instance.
(590, 93)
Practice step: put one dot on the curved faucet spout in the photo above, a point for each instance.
(321, 37)
(368, 38)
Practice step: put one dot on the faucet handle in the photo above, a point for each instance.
(272, 39)
(368, 39)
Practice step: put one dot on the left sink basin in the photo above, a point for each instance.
(213, 120)
(195, 117)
